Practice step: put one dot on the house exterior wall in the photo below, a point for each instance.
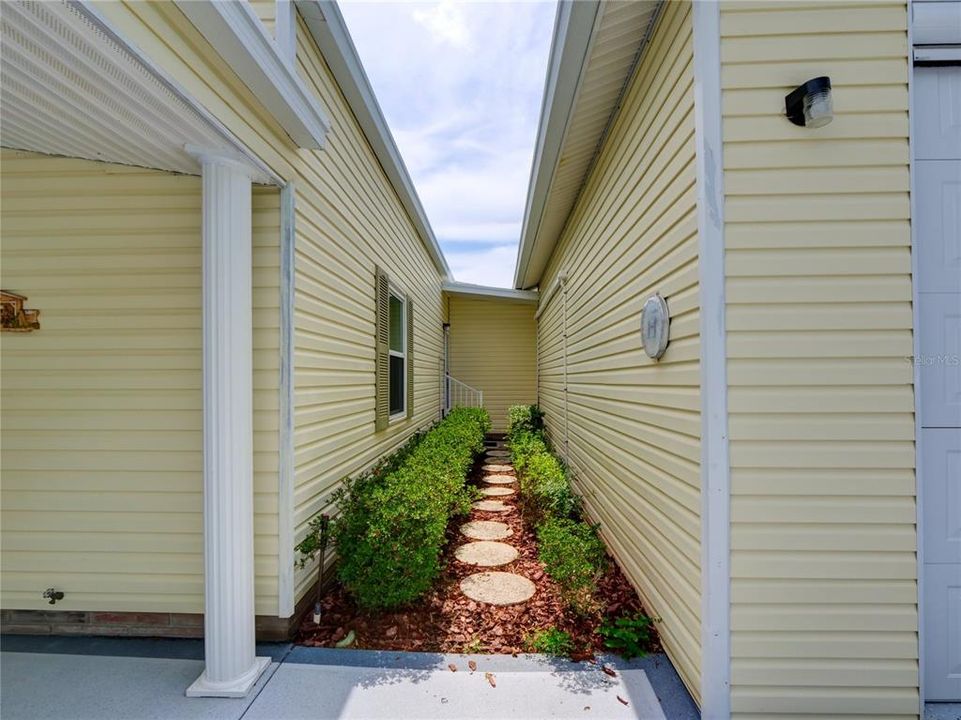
(630, 427)
(102, 490)
(818, 282)
(349, 220)
(492, 349)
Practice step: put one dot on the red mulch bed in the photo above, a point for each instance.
(447, 621)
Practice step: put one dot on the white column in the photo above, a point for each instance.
(231, 665)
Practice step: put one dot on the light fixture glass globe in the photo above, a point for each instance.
(818, 109)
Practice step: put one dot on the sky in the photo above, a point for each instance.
(460, 84)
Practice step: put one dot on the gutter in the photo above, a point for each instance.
(574, 29)
(329, 31)
(483, 291)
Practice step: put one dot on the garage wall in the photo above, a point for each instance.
(102, 415)
(818, 263)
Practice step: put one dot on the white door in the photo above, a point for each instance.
(937, 183)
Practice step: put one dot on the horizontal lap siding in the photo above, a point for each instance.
(493, 349)
(632, 426)
(349, 220)
(102, 407)
(824, 616)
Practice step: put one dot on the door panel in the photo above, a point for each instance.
(940, 360)
(938, 208)
(942, 495)
(937, 122)
(942, 636)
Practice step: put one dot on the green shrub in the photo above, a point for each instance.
(550, 642)
(392, 521)
(524, 419)
(524, 446)
(627, 636)
(545, 489)
(574, 556)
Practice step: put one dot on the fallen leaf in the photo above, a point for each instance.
(453, 667)
(608, 670)
(391, 631)
(493, 681)
(472, 665)
(622, 700)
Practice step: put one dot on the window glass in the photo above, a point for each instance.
(396, 324)
(398, 376)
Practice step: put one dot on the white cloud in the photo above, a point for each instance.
(494, 266)
(446, 21)
(460, 84)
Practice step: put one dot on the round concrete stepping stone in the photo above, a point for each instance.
(486, 530)
(486, 553)
(498, 454)
(500, 479)
(498, 468)
(497, 588)
(491, 506)
(496, 490)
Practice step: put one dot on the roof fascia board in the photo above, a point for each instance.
(574, 30)
(483, 291)
(327, 26)
(240, 38)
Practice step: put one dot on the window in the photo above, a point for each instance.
(394, 348)
(398, 355)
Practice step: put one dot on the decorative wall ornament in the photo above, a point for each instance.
(655, 326)
(17, 318)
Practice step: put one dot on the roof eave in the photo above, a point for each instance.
(485, 292)
(327, 27)
(574, 29)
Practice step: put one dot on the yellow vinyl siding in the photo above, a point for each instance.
(349, 220)
(102, 407)
(632, 430)
(823, 569)
(493, 349)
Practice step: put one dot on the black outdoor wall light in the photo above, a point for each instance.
(809, 104)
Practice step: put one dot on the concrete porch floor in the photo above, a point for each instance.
(106, 678)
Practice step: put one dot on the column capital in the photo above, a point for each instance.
(223, 158)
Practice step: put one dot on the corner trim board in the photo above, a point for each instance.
(285, 31)
(916, 369)
(715, 458)
(285, 481)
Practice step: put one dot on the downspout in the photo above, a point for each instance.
(560, 282)
(567, 414)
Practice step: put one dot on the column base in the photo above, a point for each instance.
(237, 688)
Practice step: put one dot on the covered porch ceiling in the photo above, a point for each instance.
(72, 87)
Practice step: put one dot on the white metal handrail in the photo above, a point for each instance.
(458, 394)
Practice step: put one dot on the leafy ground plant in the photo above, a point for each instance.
(391, 525)
(574, 556)
(627, 636)
(550, 641)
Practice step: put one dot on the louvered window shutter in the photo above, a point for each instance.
(410, 358)
(382, 351)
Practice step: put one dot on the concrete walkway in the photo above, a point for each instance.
(80, 678)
